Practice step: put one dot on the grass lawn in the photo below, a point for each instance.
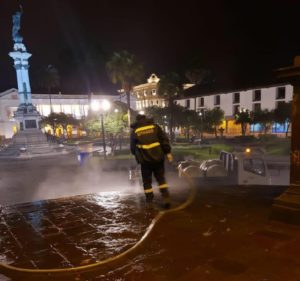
(278, 147)
(198, 152)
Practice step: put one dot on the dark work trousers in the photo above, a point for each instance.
(158, 170)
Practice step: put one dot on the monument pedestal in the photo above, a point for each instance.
(28, 117)
(29, 137)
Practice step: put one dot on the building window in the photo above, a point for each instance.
(153, 92)
(187, 103)
(217, 100)
(256, 107)
(279, 103)
(236, 98)
(280, 93)
(201, 102)
(257, 95)
(145, 93)
(236, 109)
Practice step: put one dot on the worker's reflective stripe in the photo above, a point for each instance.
(148, 146)
(165, 185)
(149, 190)
(144, 128)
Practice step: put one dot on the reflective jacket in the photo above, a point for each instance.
(148, 142)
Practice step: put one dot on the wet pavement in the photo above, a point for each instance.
(71, 231)
(226, 234)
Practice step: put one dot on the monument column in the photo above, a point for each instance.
(26, 114)
(20, 57)
(287, 206)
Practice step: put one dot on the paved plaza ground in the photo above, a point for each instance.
(55, 177)
(226, 234)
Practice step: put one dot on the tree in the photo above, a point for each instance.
(213, 118)
(243, 118)
(114, 124)
(92, 126)
(66, 119)
(124, 69)
(56, 120)
(49, 80)
(188, 119)
(170, 88)
(283, 115)
(159, 114)
(52, 121)
(264, 118)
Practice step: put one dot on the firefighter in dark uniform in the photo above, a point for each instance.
(150, 145)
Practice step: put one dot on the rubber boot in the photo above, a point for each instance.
(166, 198)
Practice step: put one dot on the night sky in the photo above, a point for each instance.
(238, 41)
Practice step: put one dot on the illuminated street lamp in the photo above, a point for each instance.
(101, 107)
(201, 125)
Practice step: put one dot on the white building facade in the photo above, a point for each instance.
(231, 102)
(76, 105)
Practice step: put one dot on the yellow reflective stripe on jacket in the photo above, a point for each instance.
(165, 185)
(144, 128)
(148, 146)
(149, 190)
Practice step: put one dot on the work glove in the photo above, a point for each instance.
(170, 157)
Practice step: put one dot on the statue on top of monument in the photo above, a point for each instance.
(17, 26)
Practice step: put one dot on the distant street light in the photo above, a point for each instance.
(201, 125)
(101, 107)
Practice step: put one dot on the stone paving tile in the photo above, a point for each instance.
(70, 231)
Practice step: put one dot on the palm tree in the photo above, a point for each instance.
(124, 69)
(170, 88)
(283, 115)
(243, 118)
(213, 119)
(263, 117)
(197, 75)
(49, 79)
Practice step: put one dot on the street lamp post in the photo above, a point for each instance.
(103, 135)
(201, 125)
(101, 107)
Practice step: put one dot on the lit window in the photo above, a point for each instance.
(154, 92)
